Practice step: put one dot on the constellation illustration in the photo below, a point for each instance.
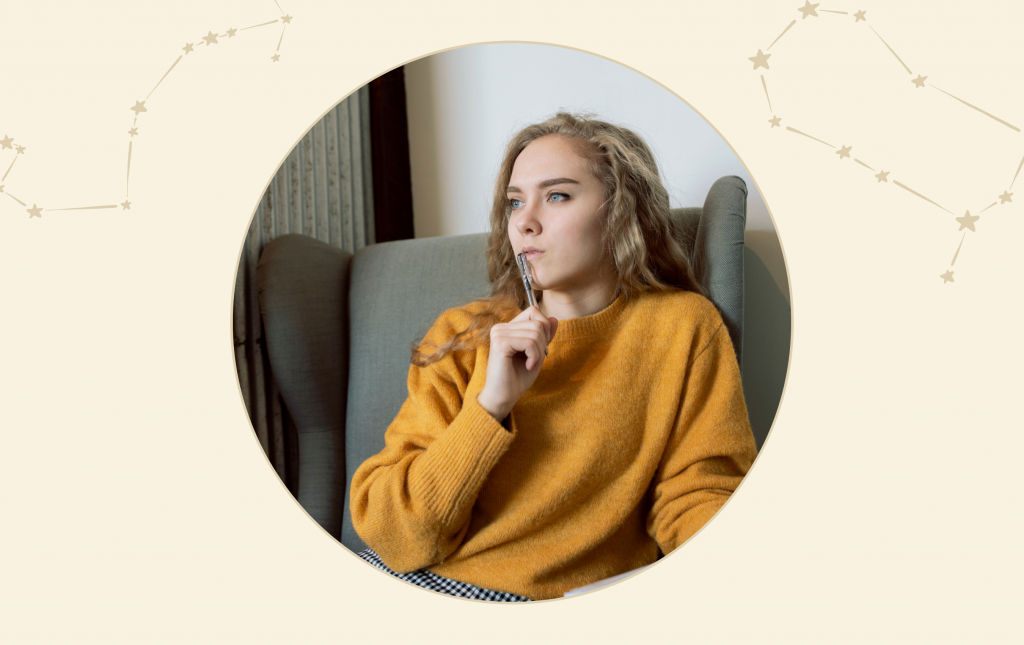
(966, 221)
(209, 40)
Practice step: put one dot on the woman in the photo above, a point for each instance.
(545, 448)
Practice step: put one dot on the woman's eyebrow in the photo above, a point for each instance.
(545, 184)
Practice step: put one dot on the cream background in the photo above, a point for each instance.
(137, 505)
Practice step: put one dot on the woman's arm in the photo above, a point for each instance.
(710, 449)
(411, 502)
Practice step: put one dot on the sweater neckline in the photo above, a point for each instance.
(595, 323)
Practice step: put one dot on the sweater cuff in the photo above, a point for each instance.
(450, 473)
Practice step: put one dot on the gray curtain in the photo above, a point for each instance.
(323, 189)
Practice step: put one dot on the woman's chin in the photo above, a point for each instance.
(540, 284)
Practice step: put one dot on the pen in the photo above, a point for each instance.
(524, 271)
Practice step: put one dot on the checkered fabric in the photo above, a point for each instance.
(434, 582)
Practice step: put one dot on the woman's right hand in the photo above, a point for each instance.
(515, 359)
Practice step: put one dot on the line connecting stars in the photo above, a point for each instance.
(760, 61)
(140, 108)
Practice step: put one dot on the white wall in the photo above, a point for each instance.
(465, 104)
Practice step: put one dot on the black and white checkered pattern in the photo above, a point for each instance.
(434, 582)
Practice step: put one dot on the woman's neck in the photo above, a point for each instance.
(578, 303)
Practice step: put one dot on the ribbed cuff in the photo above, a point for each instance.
(450, 473)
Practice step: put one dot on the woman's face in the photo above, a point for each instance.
(557, 217)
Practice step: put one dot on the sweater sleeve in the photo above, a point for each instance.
(710, 449)
(411, 502)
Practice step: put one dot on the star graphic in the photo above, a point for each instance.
(275, 57)
(845, 152)
(808, 9)
(775, 121)
(231, 33)
(133, 131)
(187, 48)
(6, 142)
(35, 211)
(947, 277)
(967, 221)
(140, 106)
(126, 205)
(882, 176)
(1005, 197)
(21, 150)
(286, 18)
(210, 38)
(761, 60)
(860, 16)
(919, 81)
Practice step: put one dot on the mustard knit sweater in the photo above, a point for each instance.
(633, 435)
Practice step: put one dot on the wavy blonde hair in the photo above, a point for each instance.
(638, 229)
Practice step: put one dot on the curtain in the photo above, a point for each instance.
(323, 189)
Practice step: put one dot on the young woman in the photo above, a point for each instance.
(545, 448)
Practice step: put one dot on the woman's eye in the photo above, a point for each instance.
(515, 203)
(559, 197)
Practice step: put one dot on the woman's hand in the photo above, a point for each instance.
(515, 358)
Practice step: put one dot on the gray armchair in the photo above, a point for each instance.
(339, 327)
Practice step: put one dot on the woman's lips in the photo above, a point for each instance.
(532, 254)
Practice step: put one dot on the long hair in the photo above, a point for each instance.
(638, 230)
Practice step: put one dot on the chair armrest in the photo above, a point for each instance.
(303, 288)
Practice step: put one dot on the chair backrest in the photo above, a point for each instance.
(394, 293)
(713, 236)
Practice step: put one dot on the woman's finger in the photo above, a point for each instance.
(527, 314)
(534, 331)
(540, 326)
(509, 342)
(513, 342)
(533, 313)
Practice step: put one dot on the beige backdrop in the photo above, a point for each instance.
(138, 506)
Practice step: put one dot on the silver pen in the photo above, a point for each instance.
(527, 275)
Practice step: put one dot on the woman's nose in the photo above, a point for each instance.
(527, 221)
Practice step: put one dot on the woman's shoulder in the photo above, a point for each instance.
(683, 319)
(463, 314)
(457, 319)
(679, 307)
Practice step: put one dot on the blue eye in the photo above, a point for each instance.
(514, 203)
(562, 195)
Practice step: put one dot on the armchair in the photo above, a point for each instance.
(339, 327)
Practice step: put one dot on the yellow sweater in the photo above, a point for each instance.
(633, 435)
